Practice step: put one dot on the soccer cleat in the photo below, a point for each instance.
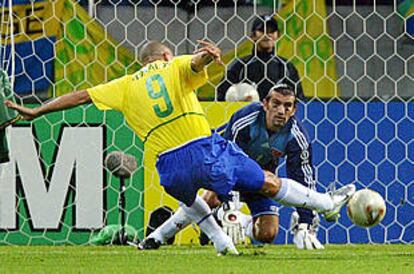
(230, 249)
(148, 244)
(157, 218)
(340, 197)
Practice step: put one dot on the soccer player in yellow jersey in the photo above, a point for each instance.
(159, 104)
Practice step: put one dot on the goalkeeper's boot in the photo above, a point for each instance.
(149, 243)
(339, 197)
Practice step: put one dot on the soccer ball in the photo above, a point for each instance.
(366, 208)
(242, 92)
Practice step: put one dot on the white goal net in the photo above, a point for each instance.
(355, 63)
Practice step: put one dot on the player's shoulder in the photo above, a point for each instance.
(297, 128)
(255, 107)
(239, 62)
(181, 59)
(283, 61)
(242, 119)
(181, 63)
(296, 123)
(248, 112)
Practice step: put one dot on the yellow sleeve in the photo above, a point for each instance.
(110, 95)
(193, 79)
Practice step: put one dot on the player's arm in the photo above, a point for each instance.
(106, 96)
(66, 101)
(299, 160)
(232, 132)
(205, 55)
(304, 223)
(237, 129)
(299, 168)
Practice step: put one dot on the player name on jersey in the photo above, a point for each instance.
(148, 68)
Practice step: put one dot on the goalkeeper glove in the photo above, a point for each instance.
(304, 235)
(232, 220)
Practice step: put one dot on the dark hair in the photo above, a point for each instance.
(282, 88)
(265, 20)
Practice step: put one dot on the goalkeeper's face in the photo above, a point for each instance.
(279, 108)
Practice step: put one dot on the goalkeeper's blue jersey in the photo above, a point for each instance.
(247, 128)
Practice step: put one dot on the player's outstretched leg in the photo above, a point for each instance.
(250, 177)
(200, 213)
(291, 193)
(178, 221)
(340, 197)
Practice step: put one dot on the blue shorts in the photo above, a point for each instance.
(211, 163)
(259, 205)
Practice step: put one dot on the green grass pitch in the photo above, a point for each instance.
(196, 259)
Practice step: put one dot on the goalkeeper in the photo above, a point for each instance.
(266, 133)
(160, 105)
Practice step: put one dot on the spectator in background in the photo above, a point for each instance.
(263, 68)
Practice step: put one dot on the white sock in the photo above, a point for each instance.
(172, 226)
(292, 193)
(200, 213)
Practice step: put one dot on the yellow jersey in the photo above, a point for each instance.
(158, 102)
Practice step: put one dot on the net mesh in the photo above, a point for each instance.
(355, 64)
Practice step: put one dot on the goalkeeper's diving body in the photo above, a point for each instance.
(265, 132)
(160, 105)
